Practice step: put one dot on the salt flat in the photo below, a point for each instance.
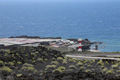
(11, 41)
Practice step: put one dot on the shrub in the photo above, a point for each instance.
(1, 62)
(82, 67)
(28, 65)
(74, 60)
(17, 54)
(114, 66)
(64, 61)
(104, 69)
(109, 71)
(19, 75)
(72, 67)
(45, 59)
(41, 72)
(19, 62)
(84, 61)
(106, 62)
(50, 67)
(55, 62)
(40, 59)
(62, 68)
(5, 70)
(93, 60)
(100, 62)
(90, 61)
(60, 59)
(28, 68)
(5, 54)
(5, 63)
(57, 71)
(79, 64)
(24, 68)
(118, 71)
(33, 61)
(11, 63)
(89, 65)
(53, 59)
(87, 70)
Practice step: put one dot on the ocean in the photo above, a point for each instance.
(96, 20)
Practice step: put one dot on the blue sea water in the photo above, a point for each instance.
(97, 20)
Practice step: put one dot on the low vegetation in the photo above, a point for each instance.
(40, 63)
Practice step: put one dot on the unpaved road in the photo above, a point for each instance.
(111, 56)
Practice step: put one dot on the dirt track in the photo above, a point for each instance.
(112, 56)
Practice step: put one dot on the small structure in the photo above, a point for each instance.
(80, 45)
(84, 45)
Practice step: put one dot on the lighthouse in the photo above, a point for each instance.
(80, 44)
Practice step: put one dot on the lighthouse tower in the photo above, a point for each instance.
(80, 44)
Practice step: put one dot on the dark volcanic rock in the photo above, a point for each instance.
(35, 37)
(25, 36)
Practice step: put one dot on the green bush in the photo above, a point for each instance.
(84, 61)
(5, 70)
(82, 67)
(93, 60)
(29, 68)
(100, 62)
(89, 65)
(57, 71)
(33, 61)
(45, 59)
(17, 54)
(19, 75)
(106, 62)
(74, 60)
(114, 66)
(62, 68)
(79, 63)
(87, 70)
(104, 69)
(5, 54)
(1, 62)
(55, 62)
(24, 68)
(19, 62)
(11, 63)
(50, 67)
(28, 65)
(53, 59)
(70, 60)
(60, 59)
(40, 59)
(72, 67)
(110, 71)
(64, 61)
